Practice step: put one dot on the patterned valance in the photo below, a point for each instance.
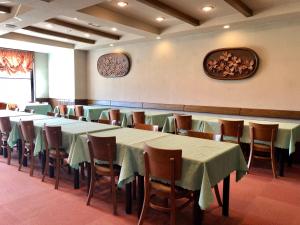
(15, 61)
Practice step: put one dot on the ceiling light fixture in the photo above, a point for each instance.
(87, 35)
(2, 12)
(160, 19)
(207, 8)
(48, 25)
(122, 4)
(75, 18)
(158, 37)
(111, 45)
(114, 29)
(226, 26)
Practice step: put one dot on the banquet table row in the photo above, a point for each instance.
(205, 162)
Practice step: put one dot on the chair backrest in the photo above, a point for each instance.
(27, 131)
(50, 114)
(72, 117)
(104, 121)
(143, 126)
(63, 109)
(3, 105)
(102, 148)
(138, 117)
(12, 106)
(163, 163)
(202, 135)
(79, 110)
(114, 115)
(232, 128)
(29, 110)
(5, 126)
(263, 132)
(53, 136)
(182, 122)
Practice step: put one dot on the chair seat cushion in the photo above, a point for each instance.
(261, 147)
(104, 169)
(165, 190)
(62, 153)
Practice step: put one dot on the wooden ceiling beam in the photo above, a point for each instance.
(60, 35)
(241, 7)
(84, 29)
(5, 9)
(171, 11)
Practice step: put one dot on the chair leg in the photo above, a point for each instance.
(82, 171)
(57, 172)
(46, 168)
(134, 189)
(145, 207)
(9, 155)
(218, 197)
(273, 163)
(23, 155)
(114, 194)
(31, 162)
(173, 212)
(250, 159)
(91, 190)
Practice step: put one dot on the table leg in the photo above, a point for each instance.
(128, 203)
(5, 153)
(76, 179)
(43, 161)
(89, 175)
(197, 211)
(226, 188)
(19, 148)
(51, 167)
(281, 162)
(140, 196)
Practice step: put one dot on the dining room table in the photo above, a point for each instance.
(12, 113)
(38, 108)
(205, 162)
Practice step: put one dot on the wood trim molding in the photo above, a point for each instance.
(127, 104)
(5, 9)
(170, 10)
(212, 109)
(285, 114)
(176, 107)
(98, 102)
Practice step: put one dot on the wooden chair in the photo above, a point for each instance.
(12, 106)
(104, 149)
(3, 105)
(209, 136)
(72, 117)
(53, 145)
(27, 138)
(266, 135)
(138, 117)
(79, 112)
(29, 110)
(104, 121)
(231, 128)
(50, 114)
(115, 116)
(5, 128)
(166, 165)
(182, 123)
(63, 110)
(143, 126)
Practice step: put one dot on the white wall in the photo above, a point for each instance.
(170, 70)
(61, 74)
(41, 75)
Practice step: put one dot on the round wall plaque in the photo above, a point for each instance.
(113, 65)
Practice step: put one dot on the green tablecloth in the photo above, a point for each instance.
(287, 136)
(205, 162)
(152, 117)
(40, 108)
(91, 112)
(169, 126)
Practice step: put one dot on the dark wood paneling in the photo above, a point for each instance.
(5, 9)
(126, 104)
(98, 102)
(212, 109)
(81, 102)
(241, 7)
(176, 107)
(286, 114)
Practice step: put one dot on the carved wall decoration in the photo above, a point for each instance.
(113, 65)
(231, 63)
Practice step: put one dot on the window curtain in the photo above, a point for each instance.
(15, 61)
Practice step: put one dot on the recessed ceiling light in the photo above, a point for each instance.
(207, 8)
(226, 26)
(75, 18)
(48, 25)
(158, 37)
(122, 4)
(111, 45)
(87, 35)
(2, 12)
(160, 19)
(114, 29)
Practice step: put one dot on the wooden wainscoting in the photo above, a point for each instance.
(172, 107)
(212, 109)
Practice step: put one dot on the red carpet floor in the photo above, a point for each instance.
(257, 199)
